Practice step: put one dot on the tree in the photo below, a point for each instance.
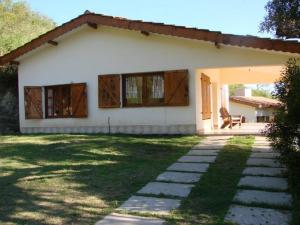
(261, 91)
(284, 132)
(234, 87)
(18, 25)
(283, 18)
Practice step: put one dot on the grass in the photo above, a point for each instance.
(210, 199)
(78, 179)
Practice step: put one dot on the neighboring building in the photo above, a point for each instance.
(98, 73)
(255, 109)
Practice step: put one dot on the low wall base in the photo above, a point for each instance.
(139, 129)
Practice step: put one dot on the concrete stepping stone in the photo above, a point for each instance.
(262, 149)
(208, 147)
(179, 177)
(275, 183)
(203, 152)
(161, 206)
(213, 142)
(189, 167)
(261, 145)
(243, 215)
(265, 197)
(169, 189)
(263, 162)
(200, 159)
(119, 219)
(261, 138)
(264, 171)
(267, 155)
(217, 138)
(262, 141)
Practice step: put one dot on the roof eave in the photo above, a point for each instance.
(159, 28)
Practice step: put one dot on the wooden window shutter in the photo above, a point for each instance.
(176, 88)
(109, 91)
(206, 101)
(33, 102)
(79, 100)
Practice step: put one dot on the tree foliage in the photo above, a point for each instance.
(234, 87)
(261, 91)
(283, 18)
(284, 132)
(19, 24)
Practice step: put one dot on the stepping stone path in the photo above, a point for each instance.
(264, 171)
(203, 152)
(170, 187)
(263, 162)
(266, 197)
(189, 167)
(264, 182)
(243, 215)
(267, 155)
(119, 219)
(160, 206)
(266, 178)
(179, 177)
(196, 159)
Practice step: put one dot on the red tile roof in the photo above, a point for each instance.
(159, 28)
(256, 101)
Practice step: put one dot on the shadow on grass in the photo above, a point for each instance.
(77, 179)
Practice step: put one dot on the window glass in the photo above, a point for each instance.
(144, 89)
(134, 89)
(155, 88)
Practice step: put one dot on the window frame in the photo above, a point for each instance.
(46, 101)
(146, 100)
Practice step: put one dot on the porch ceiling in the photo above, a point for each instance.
(250, 75)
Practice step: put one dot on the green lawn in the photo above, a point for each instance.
(78, 179)
(209, 201)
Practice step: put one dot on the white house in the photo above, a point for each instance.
(98, 73)
(254, 109)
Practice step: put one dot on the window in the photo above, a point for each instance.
(263, 119)
(143, 89)
(65, 101)
(165, 88)
(206, 101)
(58, 101)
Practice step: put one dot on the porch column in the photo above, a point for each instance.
(225, 96)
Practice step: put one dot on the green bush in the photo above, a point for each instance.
(284, 132)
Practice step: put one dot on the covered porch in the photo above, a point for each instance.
(213, 93)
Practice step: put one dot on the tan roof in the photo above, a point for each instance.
(256, 101)
(93, 20)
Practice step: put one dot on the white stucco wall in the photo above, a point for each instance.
(249, 112)
(84, 54)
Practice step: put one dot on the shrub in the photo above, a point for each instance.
(284, 131)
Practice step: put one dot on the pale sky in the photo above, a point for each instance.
(228, 16)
